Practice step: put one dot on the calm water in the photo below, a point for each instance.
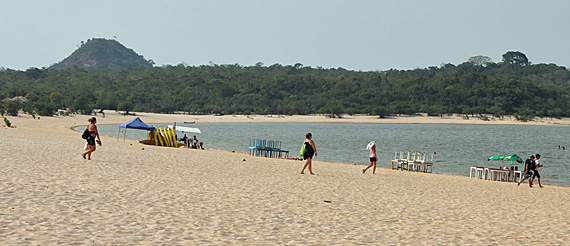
(457, 146)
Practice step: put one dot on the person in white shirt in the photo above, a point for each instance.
(372, 147)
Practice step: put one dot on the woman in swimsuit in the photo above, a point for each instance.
(310, 149)
(93, 133)
(373, 159)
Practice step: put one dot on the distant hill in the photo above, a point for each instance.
(474, 88)
(103, 53)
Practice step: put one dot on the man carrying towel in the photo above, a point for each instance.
(535, 170)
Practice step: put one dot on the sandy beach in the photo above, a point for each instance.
(115, 118)
(133, 194)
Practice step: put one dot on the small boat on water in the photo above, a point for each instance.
(189, 122)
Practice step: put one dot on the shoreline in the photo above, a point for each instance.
(165, 118)
(416, 119)
(132, 193)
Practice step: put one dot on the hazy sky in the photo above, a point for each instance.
(363, 35)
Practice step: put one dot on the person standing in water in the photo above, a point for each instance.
(373, 159)
(310, 150)
(93, 134)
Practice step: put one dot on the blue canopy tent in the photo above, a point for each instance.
(135, 124)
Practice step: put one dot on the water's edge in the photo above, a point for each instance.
(457, 146)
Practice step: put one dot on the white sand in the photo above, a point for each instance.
(132, 194)
(422, 119)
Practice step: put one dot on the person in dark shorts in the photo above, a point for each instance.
(92, 139)
(310, 150)
(373, 158)
(185, 140)
(527, 171)
(535, 170)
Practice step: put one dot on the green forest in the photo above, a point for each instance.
(478, 86)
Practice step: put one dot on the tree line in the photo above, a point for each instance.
(478, 86)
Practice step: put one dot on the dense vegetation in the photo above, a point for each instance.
(479, 86)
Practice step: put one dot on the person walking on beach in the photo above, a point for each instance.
(93, 134)
(373, 159)
(310, 150)
(535, 171)
(527, 171)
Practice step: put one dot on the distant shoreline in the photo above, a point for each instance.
(116, 117)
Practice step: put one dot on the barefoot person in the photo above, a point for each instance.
(93, 134)
(535, 173)
(528, 171)
(373, 159)
(310, 149)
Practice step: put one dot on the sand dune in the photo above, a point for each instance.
(131, 194)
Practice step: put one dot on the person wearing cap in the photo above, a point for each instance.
(373, 159)
(535, 170)
(527, 171)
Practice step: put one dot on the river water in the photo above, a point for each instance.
(456, 146)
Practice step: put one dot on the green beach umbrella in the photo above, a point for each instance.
(512, 157)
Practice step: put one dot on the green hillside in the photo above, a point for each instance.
(479, 86)
(103, 53)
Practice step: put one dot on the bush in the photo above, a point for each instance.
(523, 118)
(336, 111)
(7, 122)
(12, 108)
(126, 106)
(46, 109)
(381, 111)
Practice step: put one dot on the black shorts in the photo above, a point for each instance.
(308, 155)
(536, 174)
(372, 159)
(91, 141)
